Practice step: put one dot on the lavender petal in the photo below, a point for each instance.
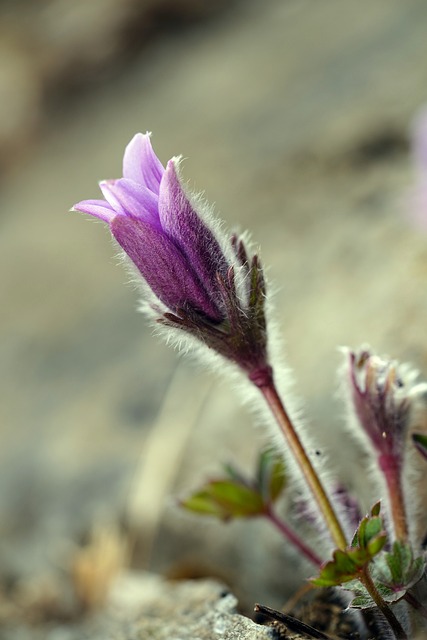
(98, 208)
(181, 222)
(105, 186)
(141, 164)
(134, 199)
(162, 266)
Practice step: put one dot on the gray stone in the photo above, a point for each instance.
(196, 610)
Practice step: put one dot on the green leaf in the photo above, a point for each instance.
(369, 533)
(362, 601)
(202, 503)
(271, 479)
(341, 568)
(236, 496)
(420, 441)
(376, 544)
(368, 540)
(369, 529)
(397, 571)
(393, 573)
(225, 499)
(376, 508)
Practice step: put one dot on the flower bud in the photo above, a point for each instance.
(381, 392)
(203, 283)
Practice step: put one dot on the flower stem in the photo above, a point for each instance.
(392, 474)
(277, 407)
(412, 600)
(292, 537)
(368, 583)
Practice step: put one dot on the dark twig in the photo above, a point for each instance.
(293, 624)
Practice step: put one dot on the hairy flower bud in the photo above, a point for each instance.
(381, 393)
(202, 283)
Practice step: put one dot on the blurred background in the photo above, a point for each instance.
(294, 117)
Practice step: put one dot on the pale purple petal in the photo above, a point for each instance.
(105, 186)
(162, 266)
(141, 164)
(179, 219)
(98, 208)
(135, 200)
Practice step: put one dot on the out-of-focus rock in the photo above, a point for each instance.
(202, 609)
(146, 607)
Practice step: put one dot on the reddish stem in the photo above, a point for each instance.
(277, 407)
(391, 468)
(412, 600)
(293, 538)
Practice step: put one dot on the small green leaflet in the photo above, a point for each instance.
(237, 497)
(346, 565)
(225, 499)
(393, 573)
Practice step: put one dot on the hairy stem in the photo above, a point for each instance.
(293, 537)
(277, 407)
(416, 604)
(393, 477)
(368, 583)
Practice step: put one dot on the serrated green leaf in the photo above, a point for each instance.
(346, 565)
(393, 572)
(239, 500)
(364, 601)
(340, 569)
(358, 556)
(396, 571)
(225, 499)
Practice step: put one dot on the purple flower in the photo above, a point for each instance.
(204, 288)
(154, 221)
